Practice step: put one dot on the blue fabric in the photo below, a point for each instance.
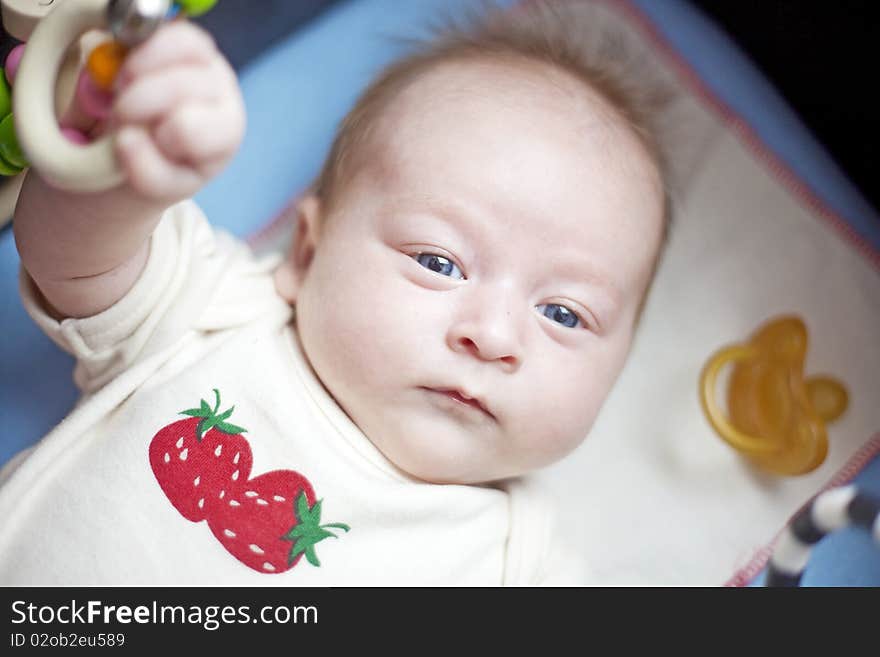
(243, 30)
(297, 92)
(848, 557)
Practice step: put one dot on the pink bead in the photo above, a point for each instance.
(75, 136)
(12, 61)
(90, 99)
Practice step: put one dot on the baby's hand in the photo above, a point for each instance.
(178, 112)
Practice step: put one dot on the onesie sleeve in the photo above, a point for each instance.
(195, 280)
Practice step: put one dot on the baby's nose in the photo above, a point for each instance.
(490, 332)
(489, 350)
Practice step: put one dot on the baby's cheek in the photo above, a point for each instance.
(560, 414)
(363, 324)
(346, 324)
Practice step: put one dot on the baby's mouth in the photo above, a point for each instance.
(463, 398)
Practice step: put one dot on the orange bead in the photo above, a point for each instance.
(104, 62)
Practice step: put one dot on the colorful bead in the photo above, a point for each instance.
(10, 151)
(13, 59)
(5, 98)
(7, 169)
(104, 63)
(195, 7)
(91, 99)
(75, 136)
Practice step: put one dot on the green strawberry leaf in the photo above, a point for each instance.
(206, 425)
(297, 549)
(298, 531)
(211, 419)
(315, 512)
(312, 556)
(302, 507)
(307, 531)
(322, 533)
(230, 428)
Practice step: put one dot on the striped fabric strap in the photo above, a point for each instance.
(826, 513)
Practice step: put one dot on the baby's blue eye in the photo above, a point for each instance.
(559, 314)
(438, 263)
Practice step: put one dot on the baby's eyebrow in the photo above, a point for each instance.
(451, 212)
(582, 272)
(569, 264)
(581, 269)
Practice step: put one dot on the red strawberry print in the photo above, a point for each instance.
(199, 460)
(271, 522)
(203, 465)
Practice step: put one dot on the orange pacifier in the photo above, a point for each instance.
(777, 417)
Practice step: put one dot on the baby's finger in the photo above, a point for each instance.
(150, 97)
(201, 134)
(148, 172)
(173, 43)
(77, 119)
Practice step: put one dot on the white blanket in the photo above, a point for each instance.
(654, 496)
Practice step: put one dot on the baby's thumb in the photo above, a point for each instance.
(148, 172)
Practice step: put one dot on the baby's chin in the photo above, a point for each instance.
(434, 450)
(445, 473)
(441, 453)
(451, 473)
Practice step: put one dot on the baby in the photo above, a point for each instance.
(461, 293)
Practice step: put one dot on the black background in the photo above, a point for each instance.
(823, 57)
(482, 621)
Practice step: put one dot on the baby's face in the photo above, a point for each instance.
(471, 296)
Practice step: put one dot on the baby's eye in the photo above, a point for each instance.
(559, 314)
(439, 264)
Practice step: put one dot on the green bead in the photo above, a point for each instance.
(5, 96)
(7, 169)
(10, 151)
(195, 7)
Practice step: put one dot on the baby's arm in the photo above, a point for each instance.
(180, 118)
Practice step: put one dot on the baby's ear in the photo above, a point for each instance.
(290, 273)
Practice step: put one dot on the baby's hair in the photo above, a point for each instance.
(572, 36)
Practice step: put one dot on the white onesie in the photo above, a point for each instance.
(150, 481)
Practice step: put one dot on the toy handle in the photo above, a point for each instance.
(89, 168)
(722, 425)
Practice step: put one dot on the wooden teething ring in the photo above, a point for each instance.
(89, 168)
